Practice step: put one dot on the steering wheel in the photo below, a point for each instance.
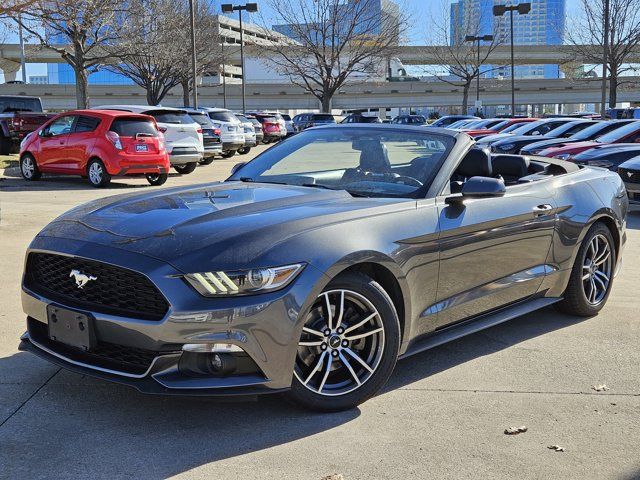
(407, 180)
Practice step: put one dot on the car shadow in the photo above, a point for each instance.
(70, 182)
(121, 430)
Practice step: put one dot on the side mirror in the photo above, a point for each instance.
(479, 187)
(237, 167)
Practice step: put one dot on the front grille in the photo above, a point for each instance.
(631, 176)
(105, 355)
(115, 290)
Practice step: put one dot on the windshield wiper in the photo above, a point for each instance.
(317, 185)
(246, 179)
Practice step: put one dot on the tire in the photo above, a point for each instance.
(207, 161)
(157, 179)
(186, 168)
(317, 385)
(228, 154)
(244, 150)
(97, 173)
(579, 298)
(266, 141)
(29, 168)
(5, 145)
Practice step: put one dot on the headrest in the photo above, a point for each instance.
(510, 165)
(476, 163)
(374, 156)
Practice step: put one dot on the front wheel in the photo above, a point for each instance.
(157, 179)
(244, 150)
(97, 173)
(186, 168)
(228, 154)
(29, 168)
(207, 160)
(348, 347)
(592, 274)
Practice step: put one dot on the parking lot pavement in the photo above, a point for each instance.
(442, 415)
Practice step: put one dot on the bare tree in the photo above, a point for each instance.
(458, 62)
(336, 41)
(14, 7)
(587, 31)
(78, 30)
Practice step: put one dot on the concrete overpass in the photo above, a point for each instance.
(409, 55)
(362, 95)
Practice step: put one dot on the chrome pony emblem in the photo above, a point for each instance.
(80, 278)
(629, 174)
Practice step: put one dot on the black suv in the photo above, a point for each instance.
(303, 121)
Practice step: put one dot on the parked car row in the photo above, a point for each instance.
(118, 140)
(611, 144)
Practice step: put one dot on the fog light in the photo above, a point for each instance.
(211, 348)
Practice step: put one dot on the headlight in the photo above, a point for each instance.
(24, 140)
(243, 282)
(563, 156)
(506, 146)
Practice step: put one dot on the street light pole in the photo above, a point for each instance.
(193, 54)
(478, 38)
(23, 63)
(224, 76)
(499, 11)
(605, 60)
(249, 7)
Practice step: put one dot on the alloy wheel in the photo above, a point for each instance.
(596, 269)
(341, 345)
(28, 167)
(95, 173)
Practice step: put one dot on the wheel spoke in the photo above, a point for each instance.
(315, 343)
(317, 367)
(357, 357)
(350, 368)
(594, 291)
(329, 314)
(326, 374)
(602, 275)
(363, 335)
(359, 324)
(603, 257)
(313, 332)
(341, 311)
(599, 280)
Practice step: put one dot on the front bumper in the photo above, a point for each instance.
(266, 327)
(633, 192)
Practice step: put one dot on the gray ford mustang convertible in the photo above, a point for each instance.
(317, 265)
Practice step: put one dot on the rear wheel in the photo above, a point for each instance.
(349, 345)
(157, 179)
(207, 160)
(244, 150)
(228, 153)
(97, 173)
(29, 168)
(186, 168)
(592, 274)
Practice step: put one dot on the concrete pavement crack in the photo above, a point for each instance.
(29, 398)
(536, 392)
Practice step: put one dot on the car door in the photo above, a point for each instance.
(493, 251)
(80, 142)
(53, 143)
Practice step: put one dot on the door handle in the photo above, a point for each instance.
(541, 210)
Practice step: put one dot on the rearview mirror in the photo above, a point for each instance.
(479, 187)
(237, 167)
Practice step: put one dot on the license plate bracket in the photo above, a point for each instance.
(70, 327)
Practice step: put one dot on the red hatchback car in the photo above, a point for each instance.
(97, 144)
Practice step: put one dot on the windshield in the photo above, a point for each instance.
(201, 119)
(500, 125)
(515, 126)
(169, 116)
(619, 133)
(364, 162)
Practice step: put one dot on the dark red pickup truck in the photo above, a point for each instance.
(19, 116)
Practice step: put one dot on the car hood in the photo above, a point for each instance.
(231, 222)
(571, 148)
(550, 142)
(494, 138)
(515, 139)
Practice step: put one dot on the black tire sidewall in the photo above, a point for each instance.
(162, 178)
(370, 289)
(185, 169)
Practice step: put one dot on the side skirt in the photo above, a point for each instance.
(476, 324)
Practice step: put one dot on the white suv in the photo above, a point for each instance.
(183, 136)
(249, 134)
(231, 130)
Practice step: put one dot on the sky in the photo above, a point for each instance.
(420, 11)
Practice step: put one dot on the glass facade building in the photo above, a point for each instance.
(543, 25)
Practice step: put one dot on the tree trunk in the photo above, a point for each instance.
(465, 97)
(82, 88)
(326, 103)
(613, 90)
(152, 96)
(185, 92)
